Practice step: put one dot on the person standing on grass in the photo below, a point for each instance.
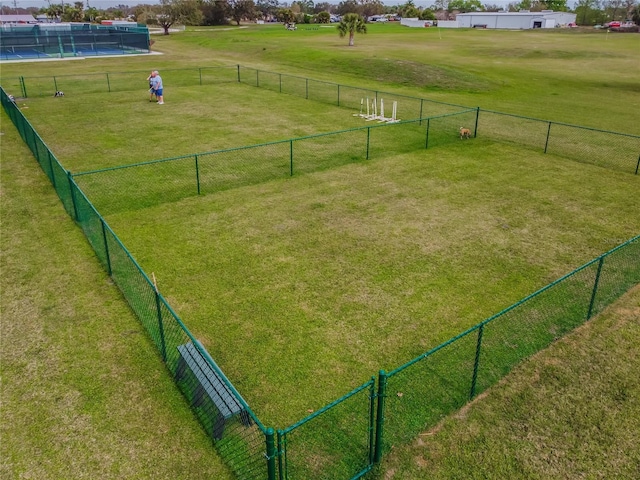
(157, 86)
(151, 90)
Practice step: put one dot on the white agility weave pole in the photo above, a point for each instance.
(361, 106)
(374, 114)
(394, 112)
(372, 111)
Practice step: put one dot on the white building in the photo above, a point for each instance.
(17, 19)
(515, 20)
(416, 22)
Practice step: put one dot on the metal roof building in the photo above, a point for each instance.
(16, 19)
(515, 20)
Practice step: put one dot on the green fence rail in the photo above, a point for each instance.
(400, 404)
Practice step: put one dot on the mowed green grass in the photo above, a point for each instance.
(576, 77)
(587, 79)
(303, 288)
(95, 131)
(84, 393)
(571, 411)
(509, 75)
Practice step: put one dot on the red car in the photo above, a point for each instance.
(614, 24)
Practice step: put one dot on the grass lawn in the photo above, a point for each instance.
(84, 392)
(328, 277)
(571, 411)
(95, 131)
(341, 267)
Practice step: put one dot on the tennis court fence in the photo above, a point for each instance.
(71, 40)
(348, 437)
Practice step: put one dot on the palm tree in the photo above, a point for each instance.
(55, 11)
(351, 23)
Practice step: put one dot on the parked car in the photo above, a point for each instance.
(614, 24)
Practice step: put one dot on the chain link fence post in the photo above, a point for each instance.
(73, 197)
(546, 143)
(372, 419)
(595, 288)
(106, 246)
(281, 453)
(163, 347)
(475, 129)
(382, 393)
(426, 140)
(476, 363)
(197, 174)
(53, 175)
(368, 139)
(291, 158)
(271, 454)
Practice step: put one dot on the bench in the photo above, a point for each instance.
(210, 383)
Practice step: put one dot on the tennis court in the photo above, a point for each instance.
(28, 54)
(21, 54)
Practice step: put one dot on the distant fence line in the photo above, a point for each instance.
(614, 150)
(389, 409)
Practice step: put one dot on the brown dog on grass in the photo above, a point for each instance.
(465, 133)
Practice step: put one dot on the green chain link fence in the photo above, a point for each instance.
(423, 391)
(612, 150)
(408, 108)
(406, 401)
(151, 183)
(334, 442)
(77, 84)
(608, 149)
(236, 431)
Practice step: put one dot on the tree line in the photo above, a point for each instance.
(222, 12)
